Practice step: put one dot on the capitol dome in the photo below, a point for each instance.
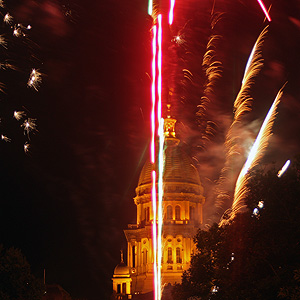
(180, 174)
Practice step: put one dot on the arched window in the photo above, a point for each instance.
(169, 212)
(192, 213)
(145, 254)
(124, 288)
(169, 261)
(177, 212)
(178, 256)
(147, 214)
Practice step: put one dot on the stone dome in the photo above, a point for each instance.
(179, 171)
(121, 270)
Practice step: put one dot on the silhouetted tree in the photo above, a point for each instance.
(257, 256)
(16, 280)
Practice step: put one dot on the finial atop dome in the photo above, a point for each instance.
(169, 124)
(122, 259)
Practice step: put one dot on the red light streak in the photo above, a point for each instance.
(171, 12)
(264, 10)
(154, 234)
(159, 65)
(153, 94)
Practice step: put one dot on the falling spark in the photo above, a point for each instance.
(5, 138)
(35, 79)
(18, 115)
(255, 155)
(171, 12)
(3, 41)
(26, 147)
(2, 4)
(264, 10)
(284, 168)
(29, 125)
(8, 19)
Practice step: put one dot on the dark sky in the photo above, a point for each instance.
(65, 203)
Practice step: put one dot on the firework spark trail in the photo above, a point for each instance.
(154, 234)
(284, 168)
(171, 12)
(153, 94)
(213, 71)
(254, 157)
(243, 101)
(160, 205)
(242, 105)
(150, 7)
(160, 155)
(264, 10)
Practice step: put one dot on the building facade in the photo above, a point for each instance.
(182, 216)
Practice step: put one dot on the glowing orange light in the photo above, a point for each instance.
(264, 10)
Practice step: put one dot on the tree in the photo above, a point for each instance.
(16, 280)
(256, 256)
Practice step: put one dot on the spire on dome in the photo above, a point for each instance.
(169, 124)
(122, 259)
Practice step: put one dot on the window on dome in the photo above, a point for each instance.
(169, 212)
(119, 289)
(177, 212)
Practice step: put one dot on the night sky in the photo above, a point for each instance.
(66, 202)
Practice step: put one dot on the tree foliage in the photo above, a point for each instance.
(16, 280)
(257, 256)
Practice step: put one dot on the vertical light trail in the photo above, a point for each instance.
(171, 12)
(160, 199)
(264, 10)
(160, 154)
(150, 7)
(153, 94)
(159, 66)
(154, 234)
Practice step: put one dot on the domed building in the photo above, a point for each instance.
(182, 216)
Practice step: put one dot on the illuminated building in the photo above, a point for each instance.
(182, 210)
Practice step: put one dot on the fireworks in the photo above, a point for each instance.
(5, 138)
(35, 79)
(8, 19)
(13, 35)
(264, 10)
(255, 155)
(283, 169)
(18, 115)
(171, 12)
(29, 125)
